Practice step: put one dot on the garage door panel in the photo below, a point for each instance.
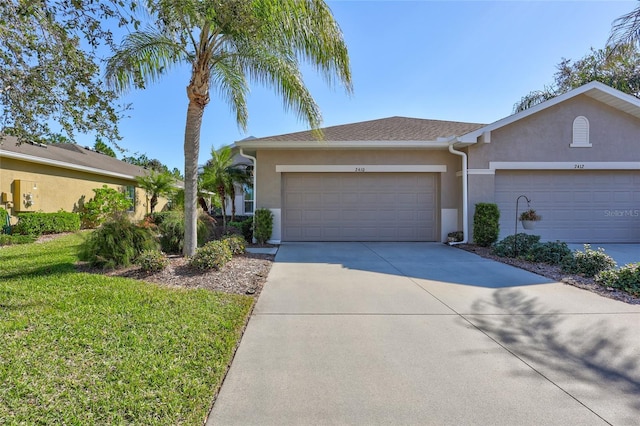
(585, 206)
(359, 207)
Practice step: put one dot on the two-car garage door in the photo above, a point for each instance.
(359, 206)
(582, 206)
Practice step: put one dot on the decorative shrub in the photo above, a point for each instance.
(46, 223)
(213, 255)
(152, 260)
(171, 230)
(236, 243)
(106, 203)
(525, 242)
(4, 228)
(117, 243)
(626, 278)
(486, 226)
(263, 225)
(552, 253)
(588, 262)
(244, 227)
(455, 236)
(8, 240)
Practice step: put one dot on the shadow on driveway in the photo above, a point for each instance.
(592, 356)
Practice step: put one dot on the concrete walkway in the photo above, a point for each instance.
(423, 333)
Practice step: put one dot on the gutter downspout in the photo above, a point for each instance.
(255, 188)
(465, 196)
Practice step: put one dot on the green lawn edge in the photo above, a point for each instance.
(84, 348)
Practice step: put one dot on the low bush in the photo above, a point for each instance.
(9, 240)
(588, 262)
(550, 252)
(213, 255)
(46, 223)
(171, 228)
(520, 243)
(626, 278)
(117, 242)
(245, 227)
(152, 260)
(486, 227)
(263, 225)
(236, 243)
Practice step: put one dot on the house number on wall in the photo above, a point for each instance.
(360, 169)
(578, 166)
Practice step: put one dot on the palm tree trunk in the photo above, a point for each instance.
(233, 203)
(198, 94)
(191, 150)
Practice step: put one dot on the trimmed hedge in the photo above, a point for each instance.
(213, 255)
(263, 225)
(46, 223)
(486, 227)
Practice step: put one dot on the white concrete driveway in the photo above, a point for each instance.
(423, 333)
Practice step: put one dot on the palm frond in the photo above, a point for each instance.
(227, 77)
(625, 29)
(280, 70)
(143, 57)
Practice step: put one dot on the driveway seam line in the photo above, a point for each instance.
(492, 339)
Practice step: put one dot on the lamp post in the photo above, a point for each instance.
(515, 236)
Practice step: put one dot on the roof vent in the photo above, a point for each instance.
(580, 133)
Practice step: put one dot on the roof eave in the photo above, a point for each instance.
(64, 165)
(274, 144)
(607, 95)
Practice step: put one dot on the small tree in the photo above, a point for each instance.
(157, 185)
(486, 227)
(106, 203)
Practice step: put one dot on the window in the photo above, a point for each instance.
(248, 198)
(130, 194)
(580, 133)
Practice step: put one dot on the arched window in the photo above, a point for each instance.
(580, 133)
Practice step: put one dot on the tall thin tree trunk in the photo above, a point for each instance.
(198, 94)
(191, 150)
(233, 203)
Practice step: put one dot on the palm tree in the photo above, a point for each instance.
(216, 177)
(241, 175)
(226, 42)
(157, 185)
(625, 30)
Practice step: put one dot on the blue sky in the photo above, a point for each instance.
(447, 60)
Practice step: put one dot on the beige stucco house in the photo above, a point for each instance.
(576, 157)
(49, 178)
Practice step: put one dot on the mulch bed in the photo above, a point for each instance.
(555, 273)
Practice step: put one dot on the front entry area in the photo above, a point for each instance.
(359, 206)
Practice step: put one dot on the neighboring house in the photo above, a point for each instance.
(49, 178)
(576, 157)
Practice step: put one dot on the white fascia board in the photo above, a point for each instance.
(62, 164)
(361, 168)
(472, 137)
(564, 165)
(341, 144)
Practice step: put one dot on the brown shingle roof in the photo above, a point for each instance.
(384, 129)
(72, 154)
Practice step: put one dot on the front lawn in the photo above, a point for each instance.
(80, 348)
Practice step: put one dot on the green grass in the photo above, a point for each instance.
(78, 348)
